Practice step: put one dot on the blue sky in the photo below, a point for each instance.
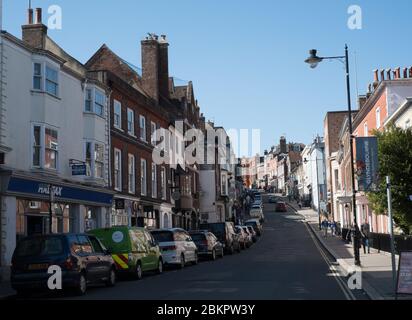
(244, 57)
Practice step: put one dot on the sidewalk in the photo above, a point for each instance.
(376, 267)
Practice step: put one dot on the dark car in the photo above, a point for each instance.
(255, 224)
(207, 244)
(225, 232)
(253, 233)
(281, 207)
(82, 258)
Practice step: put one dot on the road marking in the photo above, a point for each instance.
(336, 274)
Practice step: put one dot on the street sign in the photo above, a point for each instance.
(78, 169)
(404, 285)
(367, 163)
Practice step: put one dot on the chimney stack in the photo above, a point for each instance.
(35, 34)
(150, 66)
(164, 67)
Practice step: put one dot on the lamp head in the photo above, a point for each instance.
(313, 59)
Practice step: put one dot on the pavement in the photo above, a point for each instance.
(286, 263)
(376, 267)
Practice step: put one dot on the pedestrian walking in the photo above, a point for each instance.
(333, 227)
(365, 233)
(325, 226)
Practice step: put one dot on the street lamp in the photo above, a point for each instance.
(313, 61)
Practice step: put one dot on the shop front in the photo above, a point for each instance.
(33, 206)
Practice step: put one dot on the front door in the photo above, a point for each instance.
(35, 225)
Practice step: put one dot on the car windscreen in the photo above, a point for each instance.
(40, 247)
(198, 237)
(218, 229)
(163, 236)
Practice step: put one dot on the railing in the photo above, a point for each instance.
(381, 241)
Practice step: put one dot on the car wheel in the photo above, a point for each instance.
(182, 261)
(196, 259)
(160, 267)
(213, 255)
(111, 281)
(82, 285)
(138, 273)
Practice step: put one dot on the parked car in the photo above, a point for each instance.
(281, 207)
(257, 212)
(273, 199)
(82, 258)
(207, 244)
(253, 233)
(249, 236)
(255, 223)
(243, 237)
(177, 247)
(226, 234)
(134, 250)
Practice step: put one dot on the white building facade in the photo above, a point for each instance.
(54, 172)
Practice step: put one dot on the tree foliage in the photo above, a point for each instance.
(395, 161)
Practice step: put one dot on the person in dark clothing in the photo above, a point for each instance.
(365, 232)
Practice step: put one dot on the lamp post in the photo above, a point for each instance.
(313, 61)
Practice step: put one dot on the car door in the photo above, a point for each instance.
(144, 249)
(102, 263)
(89, 259)
(190, 247)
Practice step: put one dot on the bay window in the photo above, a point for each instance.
(45, 147)
(52, 81)
(37, 76)
(95, 159)
(99, 102)
(89, 100)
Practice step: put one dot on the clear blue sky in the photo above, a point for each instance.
(244, 57)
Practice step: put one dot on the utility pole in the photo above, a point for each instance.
(390, 218)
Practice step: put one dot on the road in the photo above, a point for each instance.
(285, 264)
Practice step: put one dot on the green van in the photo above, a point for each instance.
(134, 250)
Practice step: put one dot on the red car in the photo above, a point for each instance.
(281, 207)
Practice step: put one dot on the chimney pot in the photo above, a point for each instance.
(38, 15)
(376, 75)
(30, 16)
(405, 73)
(397, 73)
(389, 74)
(382, 75)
